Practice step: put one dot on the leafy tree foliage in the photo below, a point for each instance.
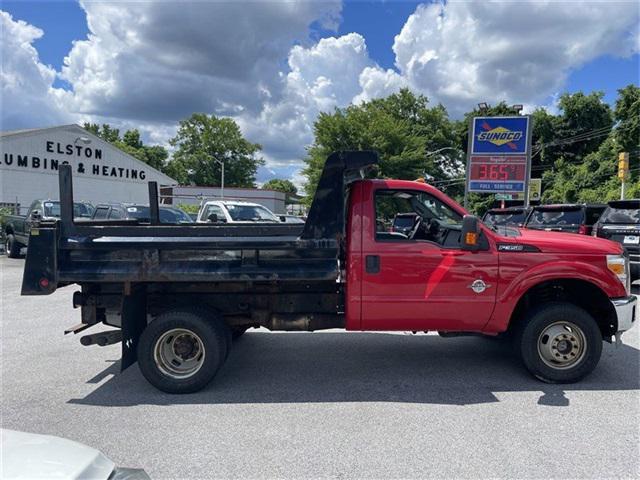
(280, 185)
(402, 128)
(153, 155)
(202, 142)
(581, 163)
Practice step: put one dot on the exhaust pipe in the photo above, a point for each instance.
(102, 339)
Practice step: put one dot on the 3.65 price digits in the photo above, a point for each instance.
(497, 172)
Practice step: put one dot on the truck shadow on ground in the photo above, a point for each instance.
(366, 367)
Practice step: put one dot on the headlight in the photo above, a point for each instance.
(619, 264)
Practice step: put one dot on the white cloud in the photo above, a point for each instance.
(321, 77)
(376, 83)
(461, 53)
(161, 61)
(146, 65)
(27, 99)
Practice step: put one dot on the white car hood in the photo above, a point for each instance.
(29, 456)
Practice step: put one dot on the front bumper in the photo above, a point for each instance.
(625, 311)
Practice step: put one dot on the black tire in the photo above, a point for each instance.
(205, 327)
(12, 246)
(552, 324)
(237, 332)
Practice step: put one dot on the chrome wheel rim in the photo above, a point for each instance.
(179, 353)
(562, 345)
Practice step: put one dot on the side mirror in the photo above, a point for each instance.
(470, 238)
(35, 215)
(283, 218)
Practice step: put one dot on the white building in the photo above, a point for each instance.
(29, 161)
(193, 195)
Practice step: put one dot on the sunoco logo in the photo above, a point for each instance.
(499, 136)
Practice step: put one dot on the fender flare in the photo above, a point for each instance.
(508, 299)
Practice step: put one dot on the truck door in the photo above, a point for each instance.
(420, 279)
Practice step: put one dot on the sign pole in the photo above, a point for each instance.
(468, 169)
(527, 178)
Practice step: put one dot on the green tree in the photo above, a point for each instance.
(280, 185)
(205, 140)
(584, 117)
(581, 173)
(132, 138)
(627, 114)
(131, 142)
(402, 128)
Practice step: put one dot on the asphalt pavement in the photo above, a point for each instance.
(321, 405)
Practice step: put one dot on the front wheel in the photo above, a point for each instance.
(560, 343)
(182, 350)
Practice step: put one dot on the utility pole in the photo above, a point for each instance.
(623, 171)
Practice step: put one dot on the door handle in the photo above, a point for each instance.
(372, 264)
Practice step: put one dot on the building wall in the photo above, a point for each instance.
(190, 195)
(101, 172)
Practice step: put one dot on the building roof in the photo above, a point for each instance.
(8, 133)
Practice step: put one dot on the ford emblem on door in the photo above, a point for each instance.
(478, 286)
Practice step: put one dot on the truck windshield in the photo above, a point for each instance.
(167, 215)
(621, 215)
(556, 217)
(250, 213)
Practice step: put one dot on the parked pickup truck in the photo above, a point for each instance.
(232, 211)
(16, 227)
(620, 223)
(179, 294)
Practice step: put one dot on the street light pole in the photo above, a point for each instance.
(222, 180)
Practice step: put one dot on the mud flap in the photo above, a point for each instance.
(134, 321)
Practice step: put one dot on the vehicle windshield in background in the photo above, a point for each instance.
(250, 213)
(556, 217)
(621, 215)
(505, 218)
(167, 215)
(80, 210)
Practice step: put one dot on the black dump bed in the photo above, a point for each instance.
(64, 252)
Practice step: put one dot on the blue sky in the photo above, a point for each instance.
(378, 22)
(274, 66)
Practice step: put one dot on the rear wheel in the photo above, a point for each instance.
(12, 246)
(560, 343)
(182, 350)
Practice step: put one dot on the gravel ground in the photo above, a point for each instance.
(310, 405)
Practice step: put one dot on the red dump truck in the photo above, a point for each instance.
(179, 294)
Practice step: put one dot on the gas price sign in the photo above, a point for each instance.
(497, 174)
(498, 158)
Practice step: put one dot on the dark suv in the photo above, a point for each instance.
(571, 218)
(126, 211)
(620, 222)
(510, 216)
